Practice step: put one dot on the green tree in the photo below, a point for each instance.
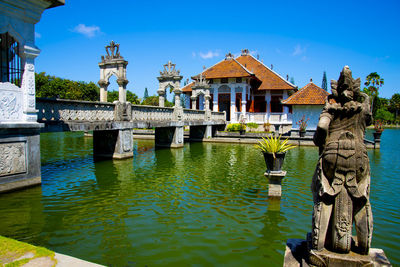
(292, 80)
(373, 83)
(324, 82)
(384, 114)
(395, 104)
(146, 93)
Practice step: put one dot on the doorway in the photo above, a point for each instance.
(224, 104)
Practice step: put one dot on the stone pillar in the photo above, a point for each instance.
(275, 183)
(233, 105)
(103, 90)
(115, 144)
(193, 102)
(244, 102)
(207, 99)
(122, 90)
(169, 136)
(161, 98)
(177, 93)
(268, 100)
(30, 52)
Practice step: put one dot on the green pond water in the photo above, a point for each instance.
(202, 205)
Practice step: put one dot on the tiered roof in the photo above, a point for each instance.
(242, 67)
(310, 94)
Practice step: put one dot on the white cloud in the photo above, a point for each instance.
(193, 54)
(298, 50)
(88, 31)
(37, 35)
(209, 54)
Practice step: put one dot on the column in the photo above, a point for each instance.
(161, 97)
(215, 100)
(116, 144)
(103, 90)
(194, 104)
(122, 90)
(268, 100)
(28, 83)
(244, 102)
(207, 102)
(177, 98)
(285, 108)
(233, 98)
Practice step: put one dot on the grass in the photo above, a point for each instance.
(11, 250)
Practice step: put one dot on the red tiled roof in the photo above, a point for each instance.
(270, 80)
(188, 87)
(308, 95)
(228, 68)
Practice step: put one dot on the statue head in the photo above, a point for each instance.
(346, 88)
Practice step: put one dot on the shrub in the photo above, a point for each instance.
(252, 125)
(233, 127)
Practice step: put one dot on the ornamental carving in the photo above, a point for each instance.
(12, 158)
(10, 102)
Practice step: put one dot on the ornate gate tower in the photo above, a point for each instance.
(113, 64)
(169, 78)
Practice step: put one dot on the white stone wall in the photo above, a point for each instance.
(310, 111)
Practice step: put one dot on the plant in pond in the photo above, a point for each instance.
(252, 126)
(274, 150)
(379, 126)
(303, 123)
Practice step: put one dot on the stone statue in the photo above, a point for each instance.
(341, 181)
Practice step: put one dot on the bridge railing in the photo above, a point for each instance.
(217, 115)
(73, 110)
(151, 113)
(193, 115)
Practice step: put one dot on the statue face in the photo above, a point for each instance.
(348, 94)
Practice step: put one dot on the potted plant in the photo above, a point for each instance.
(378, 126)
(242, 124)
(267, 126)
(274, 150)
(302, 125)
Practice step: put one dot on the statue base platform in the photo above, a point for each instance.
(275, 183)
(298, 254)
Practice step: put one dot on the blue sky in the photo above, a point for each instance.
(299, 38)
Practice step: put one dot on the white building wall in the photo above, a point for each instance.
(310, 111)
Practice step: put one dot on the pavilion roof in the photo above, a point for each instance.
(270, 80)
(310, 94)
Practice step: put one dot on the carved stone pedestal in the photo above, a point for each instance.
(19, 155)
(298, 254)
(275, 183)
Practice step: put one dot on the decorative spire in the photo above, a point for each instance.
(201, 82)
(229, 56)
(169, 70)
(112, 51)
(245, 52)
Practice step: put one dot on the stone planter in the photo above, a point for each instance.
(302, 133)
(274, 164)
(377, 135)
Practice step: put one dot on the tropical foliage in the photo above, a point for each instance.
(373, 83)
(273, 144)
(235, 127)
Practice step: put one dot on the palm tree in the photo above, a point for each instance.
(373, 81)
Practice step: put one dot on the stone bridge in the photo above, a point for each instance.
(111, 122)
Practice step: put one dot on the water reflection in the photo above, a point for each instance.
(205, 203)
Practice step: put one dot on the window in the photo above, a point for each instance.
(224, 80)
(238, 102)
(259, 104)
(10, 62)
(239, 80)
(276, 105)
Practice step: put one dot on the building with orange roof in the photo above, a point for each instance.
(244, 87)
(307, 102)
